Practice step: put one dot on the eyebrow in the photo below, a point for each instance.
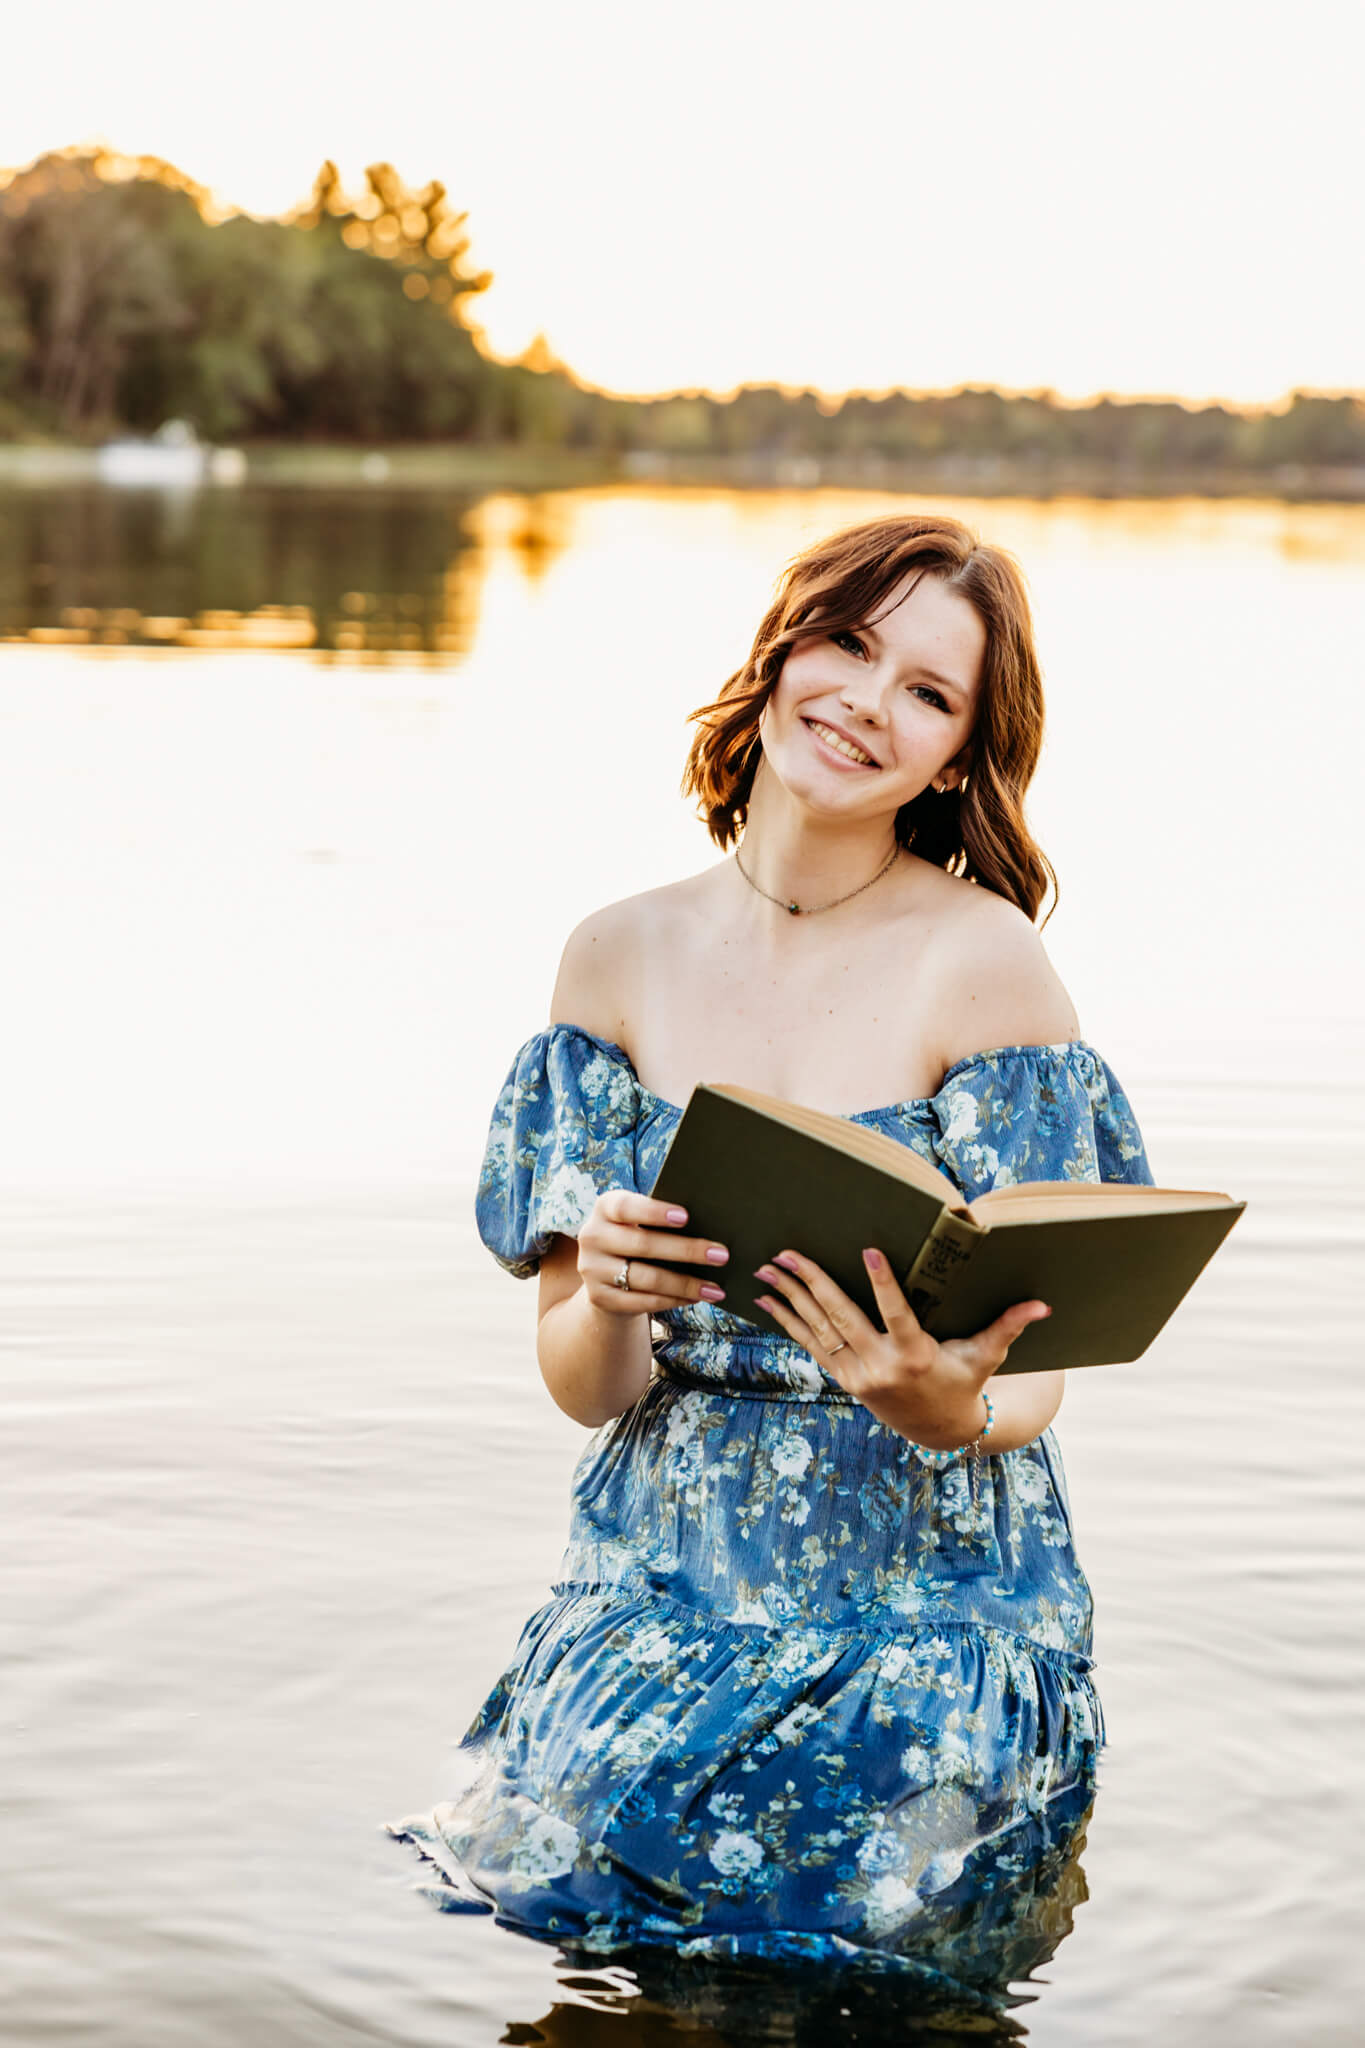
(932, 673)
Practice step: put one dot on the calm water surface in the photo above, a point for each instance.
(279, 903)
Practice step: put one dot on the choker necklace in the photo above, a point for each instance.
(812, 909)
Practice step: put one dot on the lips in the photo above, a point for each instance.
(830, 726)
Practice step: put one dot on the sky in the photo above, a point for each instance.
(1135, 199)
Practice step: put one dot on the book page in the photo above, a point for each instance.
(1043, 1201)
(1037, 1201)
(854, 1139)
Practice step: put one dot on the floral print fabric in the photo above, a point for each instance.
(794, 1680)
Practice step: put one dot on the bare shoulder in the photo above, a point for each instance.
(605, 957)
(994, 980)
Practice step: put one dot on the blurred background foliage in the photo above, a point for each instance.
(128, 298)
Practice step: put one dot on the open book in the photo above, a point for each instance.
(759, 1174)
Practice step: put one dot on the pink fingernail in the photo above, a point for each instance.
(710, 1293)
(766, 1301)
(874, 1259)
(717, 1254)
(786, 1259)
(677, 1215)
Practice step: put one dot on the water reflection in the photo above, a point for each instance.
(742, 2008)
(964, 1977)
(359, 576)
(354, 575)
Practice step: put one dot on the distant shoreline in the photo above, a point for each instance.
(482, 467)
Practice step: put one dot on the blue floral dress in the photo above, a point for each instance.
(797, 1688)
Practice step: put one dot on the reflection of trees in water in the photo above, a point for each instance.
(538, 538)
(534, 528)
(963, 1979)
(360, 574)
(355, 574)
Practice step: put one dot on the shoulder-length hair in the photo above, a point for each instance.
(838, 584)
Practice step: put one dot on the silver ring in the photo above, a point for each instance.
(622, 1279)
(843, 1346)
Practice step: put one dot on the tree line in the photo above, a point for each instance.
(126, 300)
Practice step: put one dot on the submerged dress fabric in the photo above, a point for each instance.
(797, 1689)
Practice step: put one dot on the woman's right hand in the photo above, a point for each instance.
(624, 1226)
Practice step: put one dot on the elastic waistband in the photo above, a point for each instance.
(741, 1386)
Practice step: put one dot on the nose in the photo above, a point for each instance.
(865, 702)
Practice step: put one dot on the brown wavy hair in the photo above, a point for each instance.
(837, 585)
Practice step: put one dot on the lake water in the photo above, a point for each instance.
(299, 797)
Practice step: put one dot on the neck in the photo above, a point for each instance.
(796, 857)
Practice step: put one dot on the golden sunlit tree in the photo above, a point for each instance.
(126, 298)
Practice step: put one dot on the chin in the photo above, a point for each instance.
(824, 803)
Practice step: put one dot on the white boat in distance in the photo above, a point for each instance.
(173, 458)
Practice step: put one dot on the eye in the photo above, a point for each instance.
(928, 691)
(854, 644)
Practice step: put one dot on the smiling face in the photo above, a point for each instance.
(900, 689)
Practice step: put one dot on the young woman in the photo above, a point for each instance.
(816, 1674)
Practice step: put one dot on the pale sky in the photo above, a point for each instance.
(1132, 198)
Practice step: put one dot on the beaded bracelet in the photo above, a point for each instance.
(971, 1449)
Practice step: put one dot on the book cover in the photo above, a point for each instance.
(1114, 1262)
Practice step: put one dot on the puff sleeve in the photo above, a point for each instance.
(562, 1131)
(1036, 1112)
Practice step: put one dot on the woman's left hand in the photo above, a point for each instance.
(926, 1390)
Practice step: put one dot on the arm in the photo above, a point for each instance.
(593, 1338)
(1025, 1403)
(595, 1365)
(592, 1341)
